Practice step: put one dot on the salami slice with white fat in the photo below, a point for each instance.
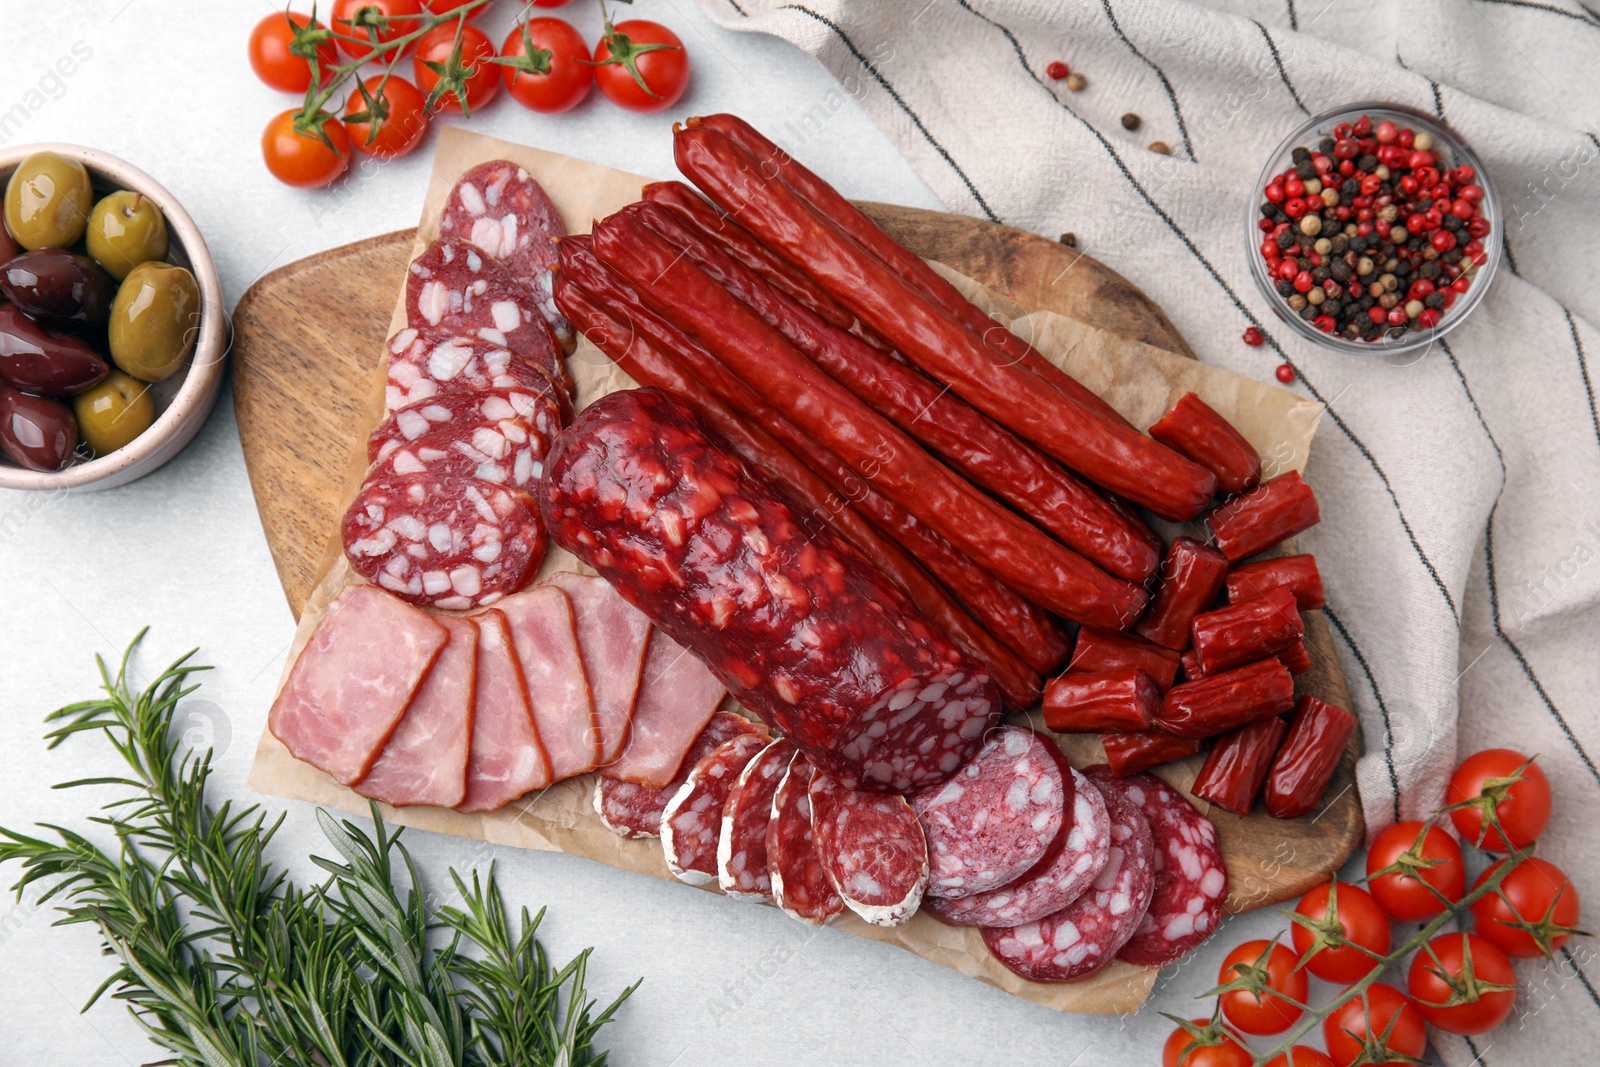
(443, 541)
(1077, 856)
(538, 413)
(691, 823)
(506, 453)
(1191, 880)
(1084, 936)
(633, 810)
(872, 850)
(455, 287)
(500, 208)
(996, 816)
(742, 843)
(423, 364)
(800, 886)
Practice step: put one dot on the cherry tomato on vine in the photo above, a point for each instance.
(1347, 911)
(1540, 894)
(1462, 984)
(480, 77)
(1387, 1023)
(1269, 1012)
(400, 126)
(347, 12)
(641, 65)
(553, 72)
(272, 60)
(1301, 1056)
(1183, 1049)
(1490, 779)
(1412, 867)
(302, 159)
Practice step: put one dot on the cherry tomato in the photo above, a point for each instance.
(403, 122)
(1184, 1050)
(1354, 1028)
(559, 75)
(345, 13)
(1301, 1056)
(1350, 912)
(1404, 893)
(272, 60)
(1489, 779)
(481, 78)
(1270, 1012)
(302, 159)
(1540, 894)
(654, 52)
(1453, 996)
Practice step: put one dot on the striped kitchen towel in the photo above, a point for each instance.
(1460, 491)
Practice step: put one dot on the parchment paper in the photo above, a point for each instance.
(1139, 380)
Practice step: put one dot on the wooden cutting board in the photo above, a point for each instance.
(306, 338)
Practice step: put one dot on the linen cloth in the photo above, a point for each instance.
(1460, 489)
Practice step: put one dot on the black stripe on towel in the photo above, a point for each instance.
(1283, 74)
(1383, 708)
(1583, 369)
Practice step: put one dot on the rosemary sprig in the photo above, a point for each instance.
(226, 963)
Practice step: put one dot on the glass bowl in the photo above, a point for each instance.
(1452, 152)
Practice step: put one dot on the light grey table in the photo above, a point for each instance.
(166, 86)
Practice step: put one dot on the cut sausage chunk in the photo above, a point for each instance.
(545, 635)
(507, 759)
(800, 886)
(507, 453)
(427, 363)
(613, 636)
(633, 810)
(1085, 935)
(742, 844)
(996, 816)
(691, 823)
(353, 680)
(1080, 852)
(542, 413)
(425, 761)
(677, 697)
(872, 850)
(1190, 879)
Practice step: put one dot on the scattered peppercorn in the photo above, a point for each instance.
(1254, 337)
(1160, 148)
(1070, 240)
(1077, 83)
(1130, 121)
(1285, 373)
(1057, 70)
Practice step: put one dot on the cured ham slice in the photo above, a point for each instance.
(425, 761)
(612, 635)
(632, 810)
(353, 681)
(677, 697)
(545, 635)
(507, 759)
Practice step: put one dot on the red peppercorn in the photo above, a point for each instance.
(1472, 194)
(1264, 225)
(1057, 70)
(1370, 185)
(1434, 218)
(1285, 373)
(1325, 323)
(1254, 337)
(1302, 282)
(1480, 257)
(1343, 147)
(1365, 214)
(1274, 193)
(1416, 223)
(1464, 175)
(1322, 163)
(1397, 316)
(1450, 296)
(1294, 208)
(1377, 314)
(1270, 250)
(1293, 186)
(1407, 137)
(1342, 213)
(1427, 177)
(1386, 132)
(1362, 127)
(1364, 228)
(1421, 288)
(1288, 268)
(1346, 168)
(1460, 285)
(1463, 209)
(1343, 130)
(1444, 240)
(1408, 185)
(1478, 227)
(1430, 317)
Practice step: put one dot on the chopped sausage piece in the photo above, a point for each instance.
(507, 759)
(1299, 574)
(1078, 702)
(1098, 650)
(691, 823)
(872, 849)
(1190, 577)
(677, 697)
(1221, 702)
(1237, 765)
(506, 454)
(633, 810)
(354, 680)
(541, 413)
(742, 844)
(1271, 512)
(1194, 429)
(1246, 631)
(424, 364)
(613, 636)
(1296, 657)
(545, 635)
(1308, 757)
(1131, 753)
(425, 760)
(800, 886)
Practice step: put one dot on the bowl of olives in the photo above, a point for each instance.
(112, 327)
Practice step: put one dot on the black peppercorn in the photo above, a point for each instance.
(1451, 256)
(1306, 169)
(1332, 307)
(1273, 212)
(1434, 300)
(1286, 238)
(1340, 243)
(1368, 163)
(1309, 312)
(1319, 274)
(1350, 187)
(1300, 155)
(1358, 244)
(1452, 223)
(1130, 121)
(1430, 270)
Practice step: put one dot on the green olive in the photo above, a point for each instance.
(125, 230)
(114, 412)
(47, 201)
(154, 320)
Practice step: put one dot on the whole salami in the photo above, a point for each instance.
(1191, 881)
(799, 884)
(802, 630)
(742, 845)
(629, 809)
(996, 816)
(872, 850)
(443, 541)
(691, 824)
(426, 363)
(541, 413)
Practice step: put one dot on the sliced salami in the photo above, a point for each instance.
(996, 816)
(677, 697)
(872, 850)
(691, 823)
(501, 209)
(1076, 858)
(423, 364)
(455, 287)
(504, 453)
(742, 843)
(1191, 881)
(1085, 935)
(443, 541)
(633, 810)
(541, 413)
(507, 758)
(800, 886)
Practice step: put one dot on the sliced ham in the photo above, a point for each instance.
(677, 697)
(353, 681)
(507, 758)
(545, 635)
(612, 635)
(632, 810)
(425, 761)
